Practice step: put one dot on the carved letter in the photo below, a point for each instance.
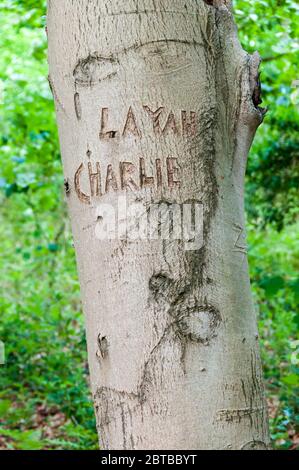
(155, 116)
(131, 126)
(126, 170)
(171, 125)
(145, 181)
(172, 170)
(111, 181)
(104, 133)
(189, 126)
(82, 196)
(95, 180)
(159, 173)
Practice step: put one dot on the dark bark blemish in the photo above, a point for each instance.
(77, 105)
(67, 187)
(257, 92)
(257, 96)
(94, 69)
(255, 83)
(159, 284)
(103, 347)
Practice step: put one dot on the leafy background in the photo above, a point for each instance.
(44, 394)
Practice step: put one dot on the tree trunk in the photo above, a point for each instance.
(157, 103)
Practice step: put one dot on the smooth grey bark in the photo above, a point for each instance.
(157, 102)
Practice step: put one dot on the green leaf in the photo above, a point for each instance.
(291, 379)
(272, 285)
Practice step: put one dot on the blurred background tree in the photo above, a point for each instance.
(44, 394)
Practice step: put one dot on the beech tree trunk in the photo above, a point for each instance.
(157, 103)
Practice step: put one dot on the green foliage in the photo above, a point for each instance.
(44, 395)
(274, 261)
(272, 28)
(42, 325)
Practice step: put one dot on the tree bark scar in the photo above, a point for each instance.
(191, 320)
(257, 93)
(198, 324)
(159, 284)
(77, 105)
(82, 196)
(54, 93)
(255, 82)
(103, 347)
(94, 69)
(67, 187)
(255, 445)
(235, 415)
